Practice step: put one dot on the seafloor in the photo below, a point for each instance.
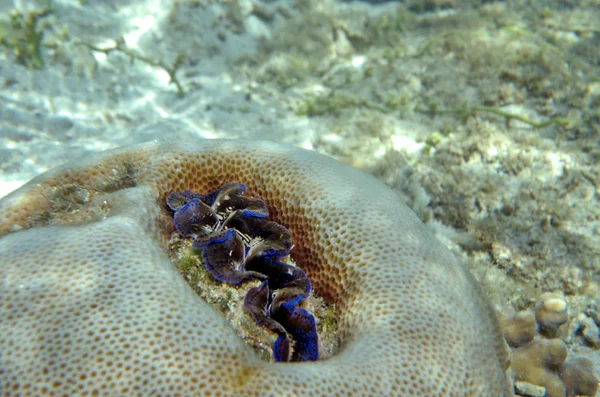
(484, 116)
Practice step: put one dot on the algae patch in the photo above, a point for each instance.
(23, 35)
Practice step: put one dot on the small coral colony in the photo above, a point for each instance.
(236, 242)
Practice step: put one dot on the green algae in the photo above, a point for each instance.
(23, 35)
(120, 47)
(332, 104)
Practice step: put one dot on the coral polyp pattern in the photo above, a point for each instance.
(91, 303)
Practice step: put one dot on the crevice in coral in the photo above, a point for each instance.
(238, 261)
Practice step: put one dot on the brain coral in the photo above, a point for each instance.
(91, 304)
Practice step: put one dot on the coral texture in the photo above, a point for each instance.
(538, 363)
(540, 357)
(92, 303)
(551, 312)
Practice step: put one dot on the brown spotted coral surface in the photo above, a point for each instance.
(91, 303)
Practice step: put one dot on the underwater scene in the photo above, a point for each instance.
(300, 198)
